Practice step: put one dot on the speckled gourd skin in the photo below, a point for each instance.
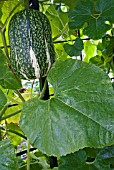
(30, 29)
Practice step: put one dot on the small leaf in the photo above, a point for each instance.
(7, 156)
(83, 105)
(7, 78)
(3, 99)
(95, 14)
(75, 49)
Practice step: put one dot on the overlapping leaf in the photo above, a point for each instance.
(94, 14)
(75, 49)
(80, 114)
(58, 21)
(15, 139)
(7, 156)
(78, 161)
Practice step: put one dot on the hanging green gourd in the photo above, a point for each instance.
(32, 52)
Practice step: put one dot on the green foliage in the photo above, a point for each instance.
(74, 113)
(7, 78)
(79, 160)
(58, 20)
(75, 49)
(94, 14)
(7, 156)
(3, 99)
(89, 50)
(33, 166)
(77, 123)
(16, 140)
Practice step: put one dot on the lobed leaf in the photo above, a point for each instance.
(78, 160)
(80, 114)
(94, 14)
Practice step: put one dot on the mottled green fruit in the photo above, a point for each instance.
(32, 52)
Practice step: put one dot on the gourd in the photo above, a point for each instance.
(31, 47)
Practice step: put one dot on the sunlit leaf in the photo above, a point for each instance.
(80, 114)
(6, 7)
(60, 52)
(15, 139)
(16, 118)
(89, 50)
(58, 21)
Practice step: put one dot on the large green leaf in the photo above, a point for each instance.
(7, 79)
(80, 114)
(95, 14)
(3, 99)
(7, 156)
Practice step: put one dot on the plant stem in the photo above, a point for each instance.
(20, 96)
(10, 115)
(16, 133)
(17, 166)
(43, 90)
(62, 32)
(28, 154)
(56, 42)
(3, 110)
(5, 45)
